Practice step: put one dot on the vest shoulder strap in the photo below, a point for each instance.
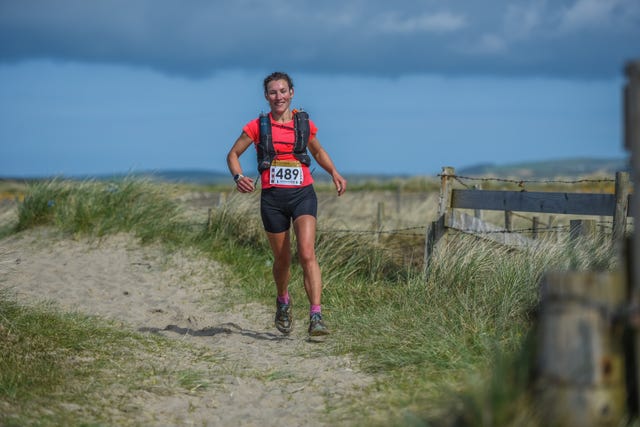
(266, 150)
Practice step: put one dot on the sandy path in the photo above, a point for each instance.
(272, 380)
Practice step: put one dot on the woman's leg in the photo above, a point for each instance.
(281, 247)
(305, 229)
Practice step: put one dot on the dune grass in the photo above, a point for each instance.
(455, 341)
(451, 346)
(60, 368)
(98, 208)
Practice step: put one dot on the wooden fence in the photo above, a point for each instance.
(631, 257)
(587, 331)
(450, 216)
(587, 352)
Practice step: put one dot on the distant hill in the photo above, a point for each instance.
(568, 168)
(574, 167)
(193, 176)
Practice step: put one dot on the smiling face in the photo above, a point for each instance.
(279, 96)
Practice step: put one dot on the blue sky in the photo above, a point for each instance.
(399, 87)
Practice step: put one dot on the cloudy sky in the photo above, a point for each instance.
(403, 87)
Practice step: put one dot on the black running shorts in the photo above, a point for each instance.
(279, 206)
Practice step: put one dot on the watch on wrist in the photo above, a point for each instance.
(237, 177)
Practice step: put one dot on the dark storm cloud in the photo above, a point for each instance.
(566, 38)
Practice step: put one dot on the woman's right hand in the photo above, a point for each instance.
(245, 185)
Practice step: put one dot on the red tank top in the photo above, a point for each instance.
(286, 171)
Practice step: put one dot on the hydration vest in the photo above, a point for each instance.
(266, 150)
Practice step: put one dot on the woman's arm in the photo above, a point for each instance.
(324, 160)
(244, 184)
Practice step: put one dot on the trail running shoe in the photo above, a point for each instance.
(284, 318)
(316, 326)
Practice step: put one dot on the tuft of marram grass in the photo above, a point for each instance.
(97, 208)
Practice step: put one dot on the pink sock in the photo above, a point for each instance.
(315, 309)
(284, 299)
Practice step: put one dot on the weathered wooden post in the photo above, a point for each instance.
(623, 189)
(535, 227)
(508, 220)
(446, 185)
(582, 228)
(379, 220)
(580, 359)
(632, 110)
(632, 144)
(477, 212)
(552, 235)
(437, 228)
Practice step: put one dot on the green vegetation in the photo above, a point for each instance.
(55, 366)
(452, 347)
(98, 208)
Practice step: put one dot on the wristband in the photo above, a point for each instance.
(237, 177)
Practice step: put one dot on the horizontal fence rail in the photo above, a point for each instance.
(536, 201)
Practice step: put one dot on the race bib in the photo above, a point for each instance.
(286, 173)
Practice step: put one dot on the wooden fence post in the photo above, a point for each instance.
(553, 236)
(623, 189)
(477, 212)
(446, 185)
(379, 220)
(508, 220)
(632, 106)
(437, 228)
(580, 358)
(435, 232)
(632, 144)
(582, 228)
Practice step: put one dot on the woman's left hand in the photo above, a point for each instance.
(340, 183)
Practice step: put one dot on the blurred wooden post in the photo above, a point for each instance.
(437, 229)
(601, 227)
(584, 317)
(535, 226)
(477, 212)
(552, 235)
(632, 144)
(508, 220)
(380, 215)
(580, 358)
(632, 108)
(379, 220)
(623, 189)
(582, 228)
